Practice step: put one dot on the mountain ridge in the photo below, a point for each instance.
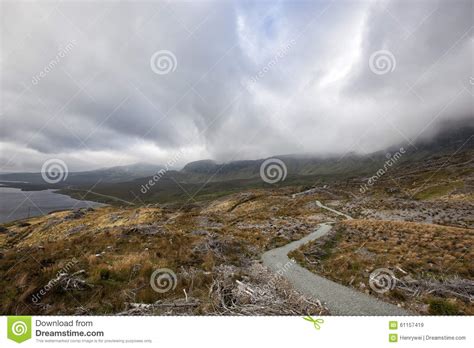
(450, 139)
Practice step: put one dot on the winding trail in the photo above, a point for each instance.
(340, 299)
(319, 204)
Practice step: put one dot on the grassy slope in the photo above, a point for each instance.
(119, 248)
(423, 251)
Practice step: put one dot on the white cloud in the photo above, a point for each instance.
(100, 103)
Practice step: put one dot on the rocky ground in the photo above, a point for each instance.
(456, 213)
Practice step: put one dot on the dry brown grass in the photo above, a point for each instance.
(424, 252)
(119, 248)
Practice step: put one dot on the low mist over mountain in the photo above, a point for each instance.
(112, 174)
(451, 137)
(208, 177)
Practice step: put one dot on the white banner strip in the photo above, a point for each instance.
(219, 332)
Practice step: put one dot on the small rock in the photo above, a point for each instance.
(77, 214)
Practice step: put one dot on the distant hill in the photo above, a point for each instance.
(127, 172)
(450, 137)
(104, 175)
(212, 178)
(202, 171)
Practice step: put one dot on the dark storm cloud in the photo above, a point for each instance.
(252, 79)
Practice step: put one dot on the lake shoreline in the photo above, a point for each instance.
(17, 204)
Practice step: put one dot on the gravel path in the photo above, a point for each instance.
(318, 203)
(340, 299)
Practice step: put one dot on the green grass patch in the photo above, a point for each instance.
(439, 306)
(438, 191)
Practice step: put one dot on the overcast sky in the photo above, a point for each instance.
(103, 83)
